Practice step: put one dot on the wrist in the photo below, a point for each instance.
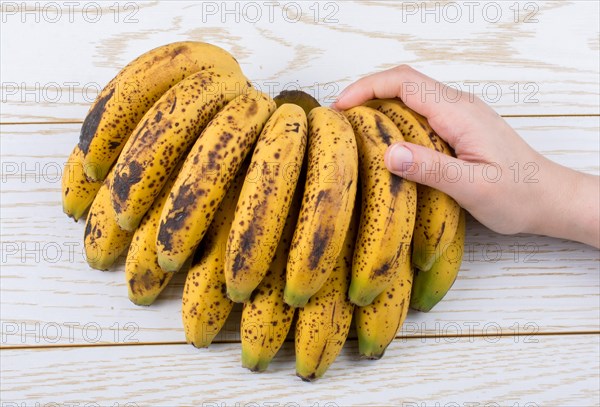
(565, 204)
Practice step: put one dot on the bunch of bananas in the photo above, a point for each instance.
(279, 204)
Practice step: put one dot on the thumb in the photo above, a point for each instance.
(431, 168)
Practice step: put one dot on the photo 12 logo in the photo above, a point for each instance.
(269, 11)
(67, 332)
(469, 11)
(69, 11)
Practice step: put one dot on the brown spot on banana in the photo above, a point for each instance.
(92, 120)
(123, 181)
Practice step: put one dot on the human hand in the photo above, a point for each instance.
(503, 182)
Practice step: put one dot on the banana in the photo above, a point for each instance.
(378, 322)
(205, 306)
(327, 204)
(431, 286)
(103, 240)
(388, 208)
(414, 127)
(206, 174)
(163, 135)
(266, 318)
(437, 213)
(265, 200)
(123, 102)
(323, 324)
(145, 279)
(77, 191)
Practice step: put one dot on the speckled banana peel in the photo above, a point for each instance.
(437, 213)
(104, 241)
(324, 322)
(145, 279)
(378, 323)
(265, 200)
(205, 306)
(164, 134)
(327, 204)
(77, 191)
(388, 208)
(266, 318)
(206, 174)
(121, 105)
(431, 286)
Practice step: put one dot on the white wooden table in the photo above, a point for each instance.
(519, 328)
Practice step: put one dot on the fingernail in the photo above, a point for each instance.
(399, 158)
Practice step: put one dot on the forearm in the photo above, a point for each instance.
(569, 207)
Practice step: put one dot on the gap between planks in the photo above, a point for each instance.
(176, 343)
(511, 116)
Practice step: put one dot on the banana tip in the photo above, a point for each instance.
(307, 378)
(294, 300)
(371, 356)
(237, 296)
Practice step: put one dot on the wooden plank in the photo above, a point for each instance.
(50, 296)
(548, 370)
(513, 57)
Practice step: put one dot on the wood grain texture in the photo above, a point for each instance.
(547, 371)
(508, 284)
(537, 58)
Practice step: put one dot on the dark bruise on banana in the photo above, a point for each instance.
(122, 103)
(388, 208)
(265, 200)
(164, 135)
(145, 279)
(206, 174)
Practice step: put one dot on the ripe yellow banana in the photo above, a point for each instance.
(323, 324)
(327, 204)
(207, 172)
(378, 322)
(163, 136)
(266, 318)
(121, 104)
(145, 279)
(205, 306)
(431, 286)
(388, 208)
(437, 213)
(265, 200)
(103, 240)
(77, 191)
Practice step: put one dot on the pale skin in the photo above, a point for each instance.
(496, 176)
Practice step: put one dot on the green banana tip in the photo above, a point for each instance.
(238, 296)
(295, 300)
(256, 366)
(421, 306)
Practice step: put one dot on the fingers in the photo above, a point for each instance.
(429, 167)
(421, 93)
